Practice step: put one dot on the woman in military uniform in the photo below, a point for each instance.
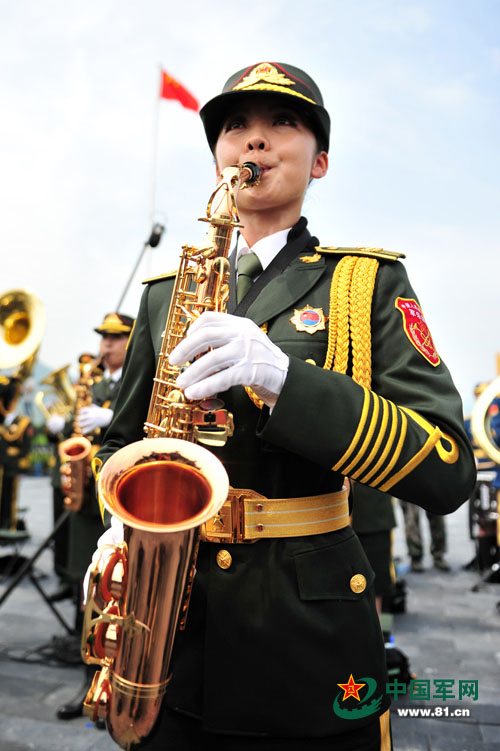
(283, 647)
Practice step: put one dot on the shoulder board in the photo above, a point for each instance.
(168, 275)
(385, 255)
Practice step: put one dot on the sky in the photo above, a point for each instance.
(413, 90)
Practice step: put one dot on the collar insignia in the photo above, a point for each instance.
(309, 319)
(311, 259)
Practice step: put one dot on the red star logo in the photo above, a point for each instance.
(351, 688)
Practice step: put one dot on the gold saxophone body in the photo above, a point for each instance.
(163, 489)
(76, 452)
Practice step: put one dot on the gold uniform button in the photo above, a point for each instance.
(224, 559)
(311, 361)
(358, 583)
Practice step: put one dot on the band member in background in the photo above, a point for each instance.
(280, 633)
(85, 525)
(414, 542)
(16, 433)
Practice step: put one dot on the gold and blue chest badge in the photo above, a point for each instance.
(309, 319)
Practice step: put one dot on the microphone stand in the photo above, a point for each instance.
(152, 242)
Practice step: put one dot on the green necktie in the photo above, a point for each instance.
(249, 267)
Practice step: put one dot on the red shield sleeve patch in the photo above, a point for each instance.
(416, 329)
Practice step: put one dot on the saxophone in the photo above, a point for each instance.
(76, 452)
(163, 489)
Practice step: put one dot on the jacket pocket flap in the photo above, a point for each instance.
(334, 572)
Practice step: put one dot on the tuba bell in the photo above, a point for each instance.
(22, 323)
(481, 421)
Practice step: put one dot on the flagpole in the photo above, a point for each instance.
(154, 160)
(154, 156)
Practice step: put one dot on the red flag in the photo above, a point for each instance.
(172, 89)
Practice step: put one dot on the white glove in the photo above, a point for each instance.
(93, 417)
(112, 536)
(242, 356)
(55, 424)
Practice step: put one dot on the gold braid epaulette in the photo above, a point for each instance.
(380, 253)
(349, 320)
(168, 275)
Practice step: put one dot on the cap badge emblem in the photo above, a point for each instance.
(264, 72)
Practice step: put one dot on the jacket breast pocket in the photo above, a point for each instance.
(340, 571)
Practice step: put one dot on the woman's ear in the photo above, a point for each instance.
(320, 165)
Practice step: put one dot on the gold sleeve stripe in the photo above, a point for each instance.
(388, 445)
(396, 454)
(414, 461)
(368, 439)
(449, 456)
(376, 446)
(359, 431)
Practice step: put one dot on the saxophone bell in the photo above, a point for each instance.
(163, 490)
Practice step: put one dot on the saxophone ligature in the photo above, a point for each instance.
(163, 489)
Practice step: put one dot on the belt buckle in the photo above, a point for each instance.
(225, 526)
(228, 525)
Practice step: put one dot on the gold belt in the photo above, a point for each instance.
(247, 516)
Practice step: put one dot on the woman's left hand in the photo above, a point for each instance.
(240, 355)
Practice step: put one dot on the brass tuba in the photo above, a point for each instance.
(163, 489)
(62, 396)
(22, 323)
(481, 421)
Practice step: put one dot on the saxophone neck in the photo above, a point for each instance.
(221, 208)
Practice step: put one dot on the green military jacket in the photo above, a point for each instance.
(269, 639)
(372, 511)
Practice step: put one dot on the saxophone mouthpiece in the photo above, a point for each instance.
(253, 173)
